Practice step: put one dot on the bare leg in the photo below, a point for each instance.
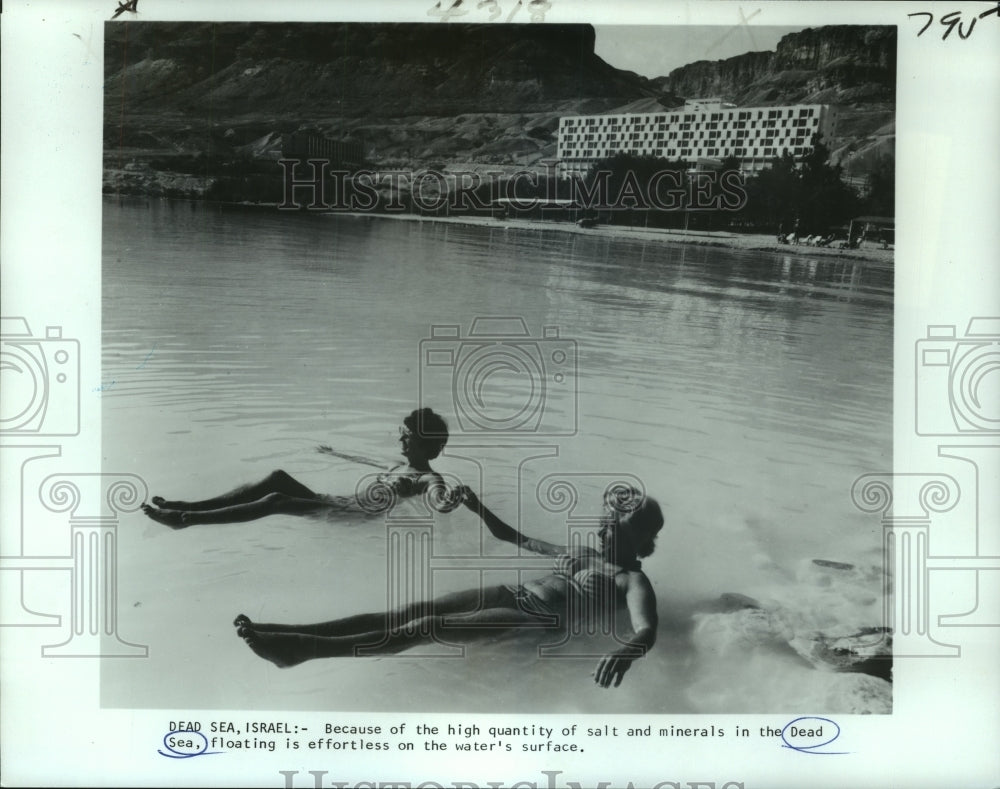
(290, 649)
(464, 602)
(275, 482)
(270, 504)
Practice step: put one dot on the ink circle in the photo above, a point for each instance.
(812, 747)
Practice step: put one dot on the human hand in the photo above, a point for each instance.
(467, 496)
(325, 449)
(612, 667)
(405, 486)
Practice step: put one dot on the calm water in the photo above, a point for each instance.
(745, 390)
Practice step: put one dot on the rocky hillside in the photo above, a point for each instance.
(188, 105)
(851, 66)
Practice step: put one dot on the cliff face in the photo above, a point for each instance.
(355, 70)
(184, 102)
(839, 64)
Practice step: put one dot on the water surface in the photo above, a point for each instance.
(745, 390)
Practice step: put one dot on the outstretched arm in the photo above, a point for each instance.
(326, 449)
(641, 602)
(504, 531)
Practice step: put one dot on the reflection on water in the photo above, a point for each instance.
(746, 390)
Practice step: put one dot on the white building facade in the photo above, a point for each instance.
(702, 129)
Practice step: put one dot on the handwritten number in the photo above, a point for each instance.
(952, 21)
(537, 8)
(446, 9)
(448, 12)
(492, 5)
(930, 20)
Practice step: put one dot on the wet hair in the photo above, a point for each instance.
(430, 428)
(622, 501)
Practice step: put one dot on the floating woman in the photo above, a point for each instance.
(422, 436)
(599, 581)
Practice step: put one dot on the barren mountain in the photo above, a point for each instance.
(188, 104)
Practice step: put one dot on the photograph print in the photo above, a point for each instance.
(499, 368)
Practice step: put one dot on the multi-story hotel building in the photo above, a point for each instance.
(702, 129)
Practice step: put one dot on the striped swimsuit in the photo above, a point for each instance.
(587, 589)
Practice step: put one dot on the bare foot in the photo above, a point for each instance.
(163, 504)
(172, 518)
(282, 649)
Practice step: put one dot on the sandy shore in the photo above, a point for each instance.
(750, 241)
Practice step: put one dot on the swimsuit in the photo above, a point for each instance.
(531, 603)
(394, 478)
(588, 590)
(588, 584)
